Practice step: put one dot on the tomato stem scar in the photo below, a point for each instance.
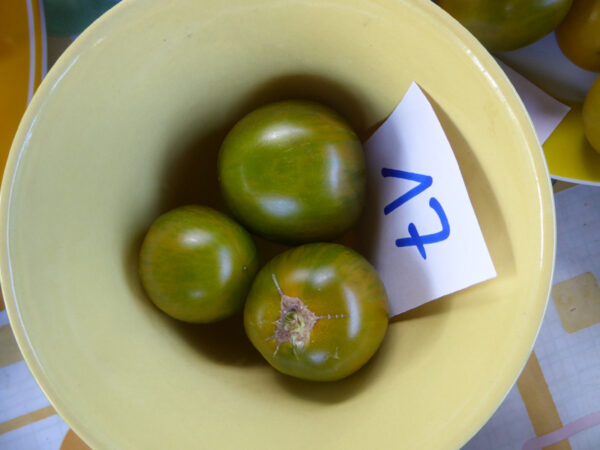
(295, 322)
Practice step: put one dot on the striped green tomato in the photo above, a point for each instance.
(197, 264)
(293, 172)
(318, 312)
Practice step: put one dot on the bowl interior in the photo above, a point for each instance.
(127, 125)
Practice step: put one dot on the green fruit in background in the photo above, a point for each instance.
(197, 265)
(503, 25)
(293, 172)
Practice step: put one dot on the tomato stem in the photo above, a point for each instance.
(295, 322)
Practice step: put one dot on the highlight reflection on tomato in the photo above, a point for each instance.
(503, 25)
(578, 36)
(317, 312)
(293, 172)
(197, 265)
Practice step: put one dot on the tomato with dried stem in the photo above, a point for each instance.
(317, 312)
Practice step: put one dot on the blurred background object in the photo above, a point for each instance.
(591, 115)
(71, 17)
(504, 25)
(23, 60)
(578, 35)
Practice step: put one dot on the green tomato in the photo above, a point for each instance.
(317, 312)
(591, 115)
(503, 25)
(293, 172)
(197, 265)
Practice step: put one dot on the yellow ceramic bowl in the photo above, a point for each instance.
(127, 125)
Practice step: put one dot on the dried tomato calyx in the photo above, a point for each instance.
(295, 322)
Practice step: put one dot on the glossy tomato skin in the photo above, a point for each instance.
(293, 172)
(503, 25)
(342, 294)
(197, 265)
(578, 36)
(591, 115)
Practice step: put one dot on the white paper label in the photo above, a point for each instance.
(545, 111)
(428, 242)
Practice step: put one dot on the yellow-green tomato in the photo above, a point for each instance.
(578, 36)
(197, 265)
(293, 172)
(317, 312)
(503, 25)
(591, 115)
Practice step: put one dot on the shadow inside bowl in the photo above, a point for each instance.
(344, 100)
(222, 342)
(486, 206)
(191, 176)
(433, 308)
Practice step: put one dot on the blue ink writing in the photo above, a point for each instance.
(419, 241)
(424, 182)
(415, 239)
